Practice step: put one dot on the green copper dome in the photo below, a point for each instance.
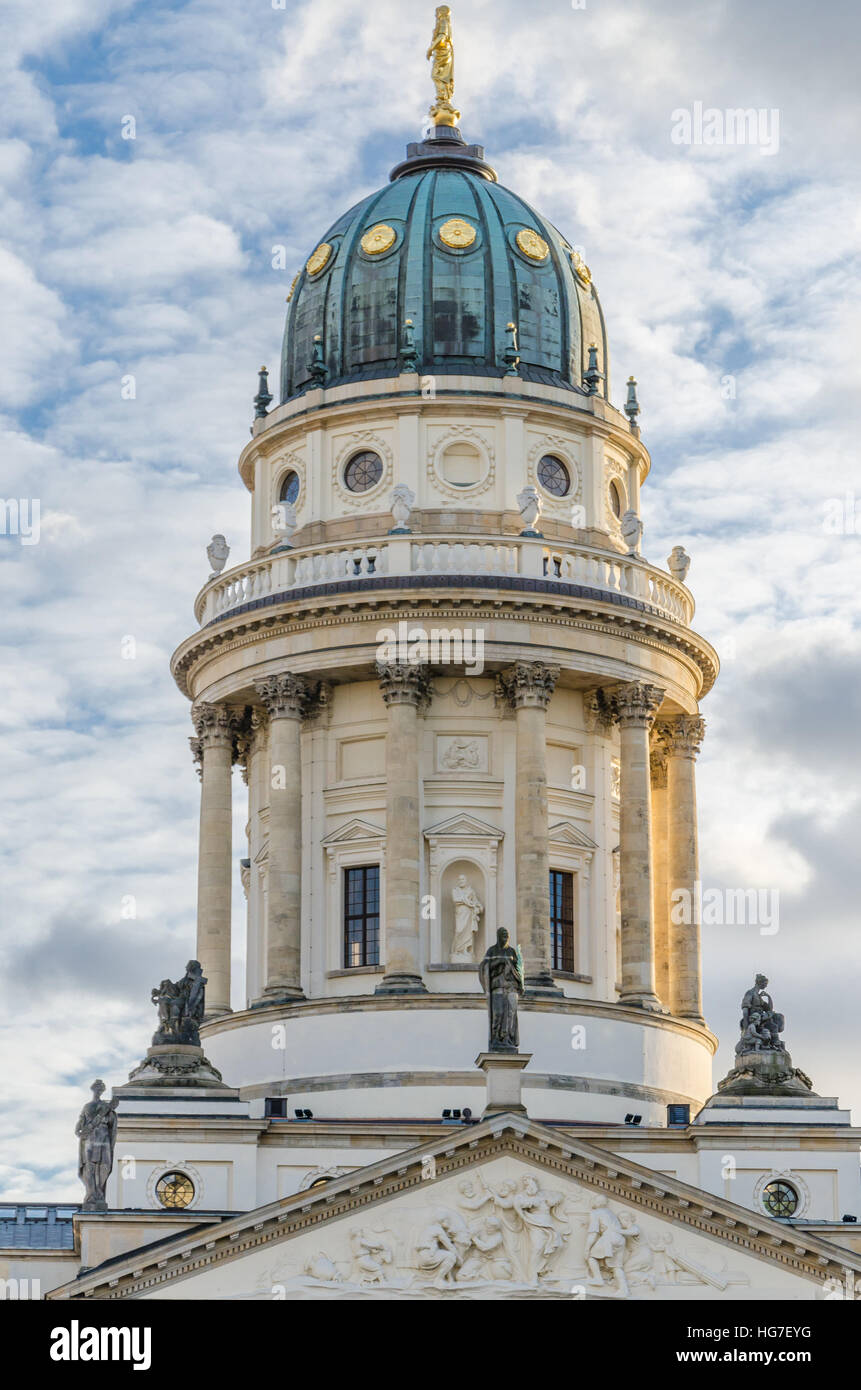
(447, 248)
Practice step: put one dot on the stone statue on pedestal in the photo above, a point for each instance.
(97, 1133)
(762, 1064)
(180, 1008)
(501, 975)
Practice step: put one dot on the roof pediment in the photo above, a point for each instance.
(465, 825)
(506, 1208)
(563, 833)
(355, 829)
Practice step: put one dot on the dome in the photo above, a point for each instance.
(428, 273)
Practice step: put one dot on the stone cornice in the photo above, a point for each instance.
(145, 1271)
(234, 632)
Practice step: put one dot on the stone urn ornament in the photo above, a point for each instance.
(632, 531)
(217, 552)
(402, 501)
(529, 505)
(678, 563)
(284, 521)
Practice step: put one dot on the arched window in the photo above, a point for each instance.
(290, 486)
(617, 501)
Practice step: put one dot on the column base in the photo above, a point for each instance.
(217, 1012)
(541, 986)
(282, 994)
(650, 1002)
(401, 984)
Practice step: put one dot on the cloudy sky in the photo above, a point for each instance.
(728, 275)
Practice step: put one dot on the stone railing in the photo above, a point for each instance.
(292, 571)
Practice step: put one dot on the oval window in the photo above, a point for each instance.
(553, 475)
(363, 471)
(289, 489)
(616, 498)
(462, 465)
(175, 1190)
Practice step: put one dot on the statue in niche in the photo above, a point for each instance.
(501, 975)
(467, 910)
(180, 1008)
(97, 1133)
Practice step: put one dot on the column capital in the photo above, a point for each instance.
(527, 684)
(214, 724)
(283, 696)
(598, 714)
(249, 731)
(634, 705)
(682, 736)
(403, 683)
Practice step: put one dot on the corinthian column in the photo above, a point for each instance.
(405, 690)
(683, 737)
(284, 697)
(660, 892)
(528, 686)
(634, 706)
(213, 746)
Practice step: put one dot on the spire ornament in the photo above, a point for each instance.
(441, 56)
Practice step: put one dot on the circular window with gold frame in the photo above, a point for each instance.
(378, 239)
(175, 1190)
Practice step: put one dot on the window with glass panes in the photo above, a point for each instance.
(562, 919)
(362, 915)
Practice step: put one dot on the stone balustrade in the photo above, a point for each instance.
(291, 571)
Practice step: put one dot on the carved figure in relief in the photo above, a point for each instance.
(437, 1253)
(371, 1255)
(467, 911)
(606, 1247)
(461, 753)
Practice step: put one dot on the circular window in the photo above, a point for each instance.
(616, 499)
(462, 465)
(553, 475)
(319, 1182)
(363, 471)
(175, 1190)
(289, 487)
(780, 1198)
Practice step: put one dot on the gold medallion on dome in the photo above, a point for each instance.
(581, 269)
(457, 232)
(378, 239)
(532, 245)
(318, 258)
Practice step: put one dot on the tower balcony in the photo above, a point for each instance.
(531, 565)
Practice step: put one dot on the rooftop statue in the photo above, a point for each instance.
(441, 55)
(762, 1064)
(180, 1008)
(97, 1132)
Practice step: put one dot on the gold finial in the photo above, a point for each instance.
(441, 53)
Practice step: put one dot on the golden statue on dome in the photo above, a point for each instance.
(441, 53)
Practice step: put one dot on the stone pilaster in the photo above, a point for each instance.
(682, 737)
(660, 891)
(634, 706)
(527, 687)
(284, 699)
(405, 690)
(213, 747)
